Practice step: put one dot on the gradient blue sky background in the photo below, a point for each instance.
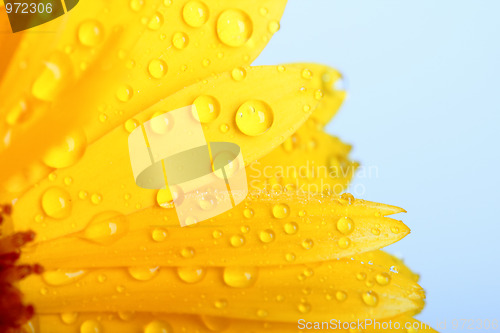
(424, 109)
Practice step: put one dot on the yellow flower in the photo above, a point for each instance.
(293, 253)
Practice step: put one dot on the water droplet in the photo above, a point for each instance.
(165, 198)
(240, 277)
(394, 269)
(261, 313)
(136, 5)
(106, 228)
(376, 231)
(383, 279)
(191, 274)
(224, 128)
(263, 11)
(158, 326)
(291, 228)
(340, 296)
(207, 108)
(306, 74)
(155, 22)
(318, 94)
(180, 40)
(159, 234)
(82, 195)
(215, 324)
(69, 317)
(67, 152)
(234, 27)
(44, 291)
(157, 68)
(370, 298)
(62, 277)
(53, 78)
(412, 329)
(90, 33)
(237, 240)
(125, 315)
(91, 326)
(281, 211)
(273, 26)
(187, 252)
(131, 125)
(304, 307)
(96, 198)
(306, 108)
(344, 242)
(345, 225)
(238, 73)
(68, 181)
(290, 257)
(267, 236)
(217, 234)
(143, 273)
(347, 198)
(124, 93)
(220, 303)
(395, 230)
(307, 244)
(195, 13)
(361, 276)
(56, 203)
(254, 117)
(101, 278)
(18, 113)
(248, 213)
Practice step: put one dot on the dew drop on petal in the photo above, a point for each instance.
(136, 5)
(90, 33)
(191, 274)
(238, 73)
(383, 279)
(248, 213)
(340, 296)
(344, 242)
(124, 93)
(281, 211)
(159, 234)
(106, 228)
(143, 273)
(195, 13)
(91, 326)
(215, 323)
(187, 252)
(307, 244)
(304, 307)
(56, 203)
(131, 125)
(234, 27)
(155, 22)
(60, 277)
(266, 236)
(180, 40)
(291, 228)
(254, 117)
(370, 298)
(157, 68)
(345, 225)
(207, 108)
(158, 326)
(237, 240)
(220, 303)
(69, 317)
(67, 152)
(240, 277)
(273, 26)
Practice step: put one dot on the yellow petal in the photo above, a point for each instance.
(122, 61)
(309, 160)
(135, 322)
(342, 289)
(266, 229)
(102, 176)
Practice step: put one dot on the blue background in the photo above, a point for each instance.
(423, 108)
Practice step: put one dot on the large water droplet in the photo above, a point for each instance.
(155, 22)
(124, 93)
(180, 40)
(195, 13)
(106, 228)
(157, 68)
(90, 33)
(238, 73)
(191, 274)
(307, 244)
(304, 307)
(136, 5)
(68, 152)
(345, 225)
(370, 298)
(344, 242)
(254, 117)
(91, 326)
(207, 108)
(159, 234)
(158, 326)
(62, 277)
(69, 317)
(291, 228)
(240, 277)
(237, 241)
(266, 236)
(281, 211)
(143, 273)
(56, 203)
(383, 279)
(55, 74)
(234, 27)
